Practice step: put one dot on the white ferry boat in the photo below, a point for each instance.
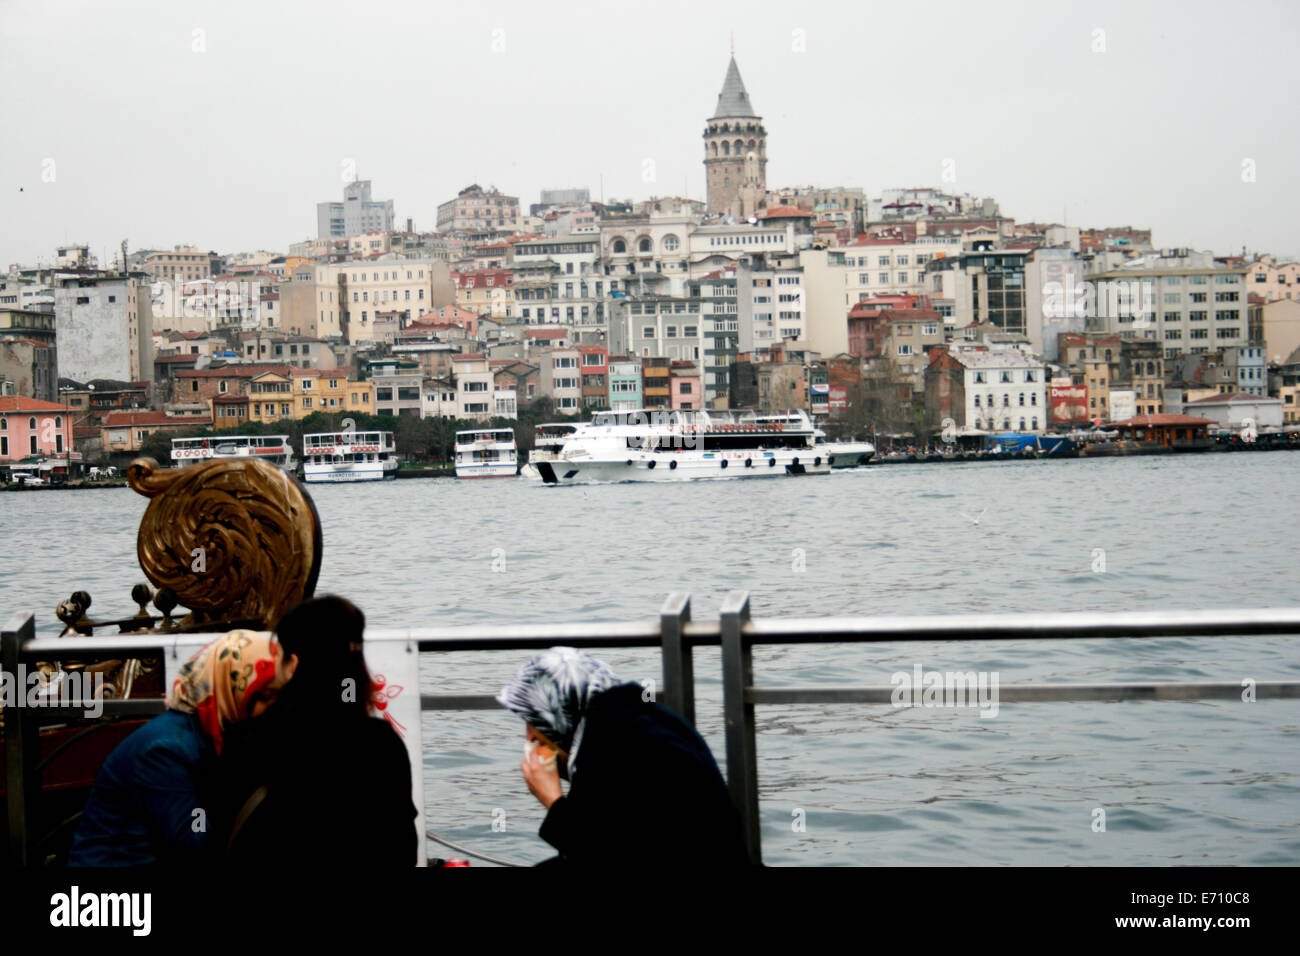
(486, 453)
(549, 439)
(845, 454)
(274, 449)
(662, 445)
(348, 456)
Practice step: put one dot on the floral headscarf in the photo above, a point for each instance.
(551, 692)
(218, 683)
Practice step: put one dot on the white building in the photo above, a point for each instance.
(104, 327)
(1186, 300)
(357, 213)
(1005, 388)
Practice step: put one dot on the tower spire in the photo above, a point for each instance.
(733, 43)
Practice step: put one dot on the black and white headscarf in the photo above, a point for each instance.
(551, 692)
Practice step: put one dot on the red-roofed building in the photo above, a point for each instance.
(31, 426)
(124, 432)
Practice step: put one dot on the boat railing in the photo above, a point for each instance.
(393, 656)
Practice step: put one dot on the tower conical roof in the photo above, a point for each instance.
(733, 100)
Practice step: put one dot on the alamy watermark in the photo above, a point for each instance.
(922, 688)
(1121, 298)
(65, 689)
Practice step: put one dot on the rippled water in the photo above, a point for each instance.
(1188, 782)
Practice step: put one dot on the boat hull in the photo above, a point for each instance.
(498, 470)
(670, 466)
(345, 473)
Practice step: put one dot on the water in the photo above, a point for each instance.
(1193, 782)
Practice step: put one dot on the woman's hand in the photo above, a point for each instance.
(541, 775)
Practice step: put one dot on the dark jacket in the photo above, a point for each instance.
(645, 792)
(153, 798)
(338, 793)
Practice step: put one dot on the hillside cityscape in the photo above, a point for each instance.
(909, 315)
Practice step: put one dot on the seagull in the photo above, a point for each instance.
(974, 520)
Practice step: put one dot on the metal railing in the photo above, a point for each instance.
(395, 653)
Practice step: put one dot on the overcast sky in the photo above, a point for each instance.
(223, 124)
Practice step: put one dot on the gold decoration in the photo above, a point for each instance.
(235, 539)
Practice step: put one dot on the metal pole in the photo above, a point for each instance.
(21, 741)
(742, 749)
(679, 667)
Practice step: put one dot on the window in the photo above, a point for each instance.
(671, 332)
(884, 278)
(1199, 334)
(882, 261)
(1006, 377)
(648, 332)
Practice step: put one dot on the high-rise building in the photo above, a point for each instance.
(357, 213)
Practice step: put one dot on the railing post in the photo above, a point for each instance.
(742, 747)
(679, 666)
(22, 742)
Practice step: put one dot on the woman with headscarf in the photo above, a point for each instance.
(318, 776)
(644, 789)
(153, 799)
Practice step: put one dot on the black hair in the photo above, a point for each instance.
(331, 677)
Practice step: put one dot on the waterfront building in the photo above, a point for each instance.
(356, 214)
(656, 382)
(986, 388)
(1239, 410)
(33, 427)
(123, 432)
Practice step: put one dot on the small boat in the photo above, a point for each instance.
(348, 456)
(486, 453)
(845, 454)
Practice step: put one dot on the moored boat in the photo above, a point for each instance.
(486, 453)
(656, 445)
(273, 449)
(348, 456)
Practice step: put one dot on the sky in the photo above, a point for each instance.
(224, 124)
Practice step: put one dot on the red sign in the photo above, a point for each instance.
(1068, 403)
